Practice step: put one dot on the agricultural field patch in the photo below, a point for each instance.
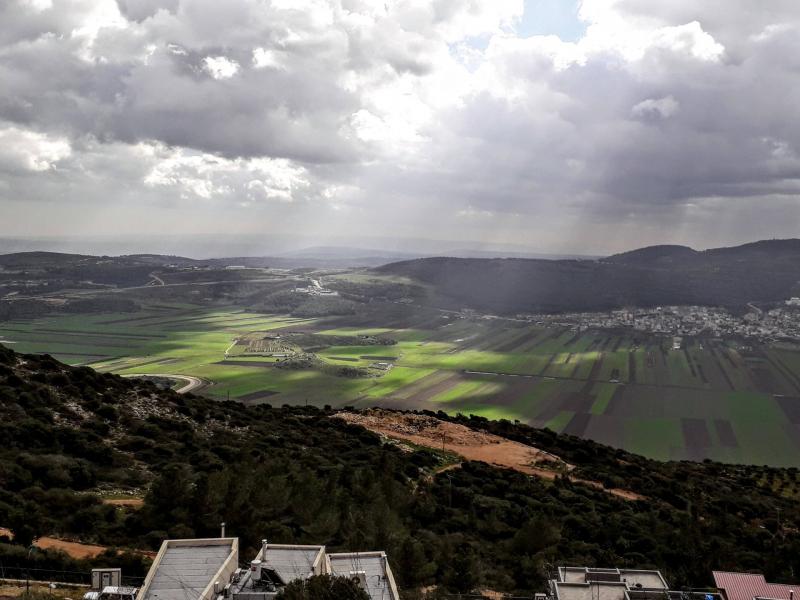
(712, 398)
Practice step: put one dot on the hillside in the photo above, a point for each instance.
(298, 475)
(664, 254)
(766, 271)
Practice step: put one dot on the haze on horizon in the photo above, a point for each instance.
(584, 127)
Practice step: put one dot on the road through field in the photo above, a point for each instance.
(192, 383)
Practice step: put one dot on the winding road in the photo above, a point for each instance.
(191, 383)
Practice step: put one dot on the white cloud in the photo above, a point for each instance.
(29, 150)
(220, 67)
(263, 58)
(207, 177)
(472, 213)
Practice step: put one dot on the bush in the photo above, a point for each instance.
(324, 587)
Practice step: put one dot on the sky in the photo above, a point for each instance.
(562, 126)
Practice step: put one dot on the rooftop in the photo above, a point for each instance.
(373, 570)
(746, 586)
(188, 569)
(588, 583)
(584, 583)
(292, 562)
(634, 578)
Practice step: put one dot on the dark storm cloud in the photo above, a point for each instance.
(139, 10)
(369, 115)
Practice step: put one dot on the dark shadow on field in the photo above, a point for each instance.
(245, 363)
(791, 408)
(725, 433)
(696, 438)
(257, 397)
(511, 392)
(578, 425)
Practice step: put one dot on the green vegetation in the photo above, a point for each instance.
(323, 587)
(714, 399)
(300, 475)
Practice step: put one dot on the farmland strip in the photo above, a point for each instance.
(632, 367)
(722, 370)
(516, 342)
(100, 333)
(429, 392)
(725, 433)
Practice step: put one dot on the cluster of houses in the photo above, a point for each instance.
(210, 569)
(315, 289)
(777, 323)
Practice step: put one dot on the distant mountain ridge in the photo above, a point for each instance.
(650, 254)
(765, 271)
(766, 249)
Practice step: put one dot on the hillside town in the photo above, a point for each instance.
(781, 323)
(212, 569)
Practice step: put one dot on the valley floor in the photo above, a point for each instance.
(713, 398)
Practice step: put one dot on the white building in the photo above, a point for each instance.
(207, 569)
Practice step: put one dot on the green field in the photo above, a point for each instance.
(712, 399)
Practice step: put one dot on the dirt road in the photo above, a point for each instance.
(192, 383)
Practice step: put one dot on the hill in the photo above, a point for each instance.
(299, 475)
(766, 271)
(655, 254)
(41, 259)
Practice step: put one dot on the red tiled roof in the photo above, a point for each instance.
(746, 586)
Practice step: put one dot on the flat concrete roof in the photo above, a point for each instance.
(292, 562)
(651, 580)
(582, 583)
(590, 591)
(186, 569)
(380, 583)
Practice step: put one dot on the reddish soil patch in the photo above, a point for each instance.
(471, 444)
(130, 502)
(73, 549)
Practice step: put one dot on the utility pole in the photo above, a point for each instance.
(28, 570)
